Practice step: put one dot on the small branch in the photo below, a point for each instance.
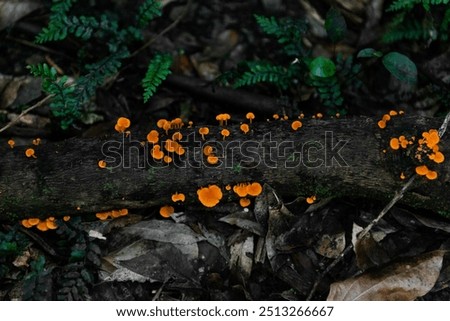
(26, 111)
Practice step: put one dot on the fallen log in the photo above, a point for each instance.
(326, 158)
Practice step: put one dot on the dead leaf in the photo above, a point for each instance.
(241, 256)
(368, 251)
(244, 221)
(406, 280)
(331, 246)
(13, 10)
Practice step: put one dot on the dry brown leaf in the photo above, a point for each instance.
(331, 246)
(13, 10)
(406, 281)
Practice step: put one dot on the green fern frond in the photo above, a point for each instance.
(147, 11)
(158, 69)
(264, 72)
(289, 33)
(444, 27)
(408, 30)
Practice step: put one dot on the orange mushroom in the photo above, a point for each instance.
(177, 136)
(167, 159)
(166, 127)
(402, 175)
(208, 150)
(123, 212)
(276, 116)
(250, 117)
(382, 124)
(51, 224)
(178, 197)
(311, 199)
(33, 221)
(240, 189)
(422, 170)
(66, 218)
(160, 123)
(36, 141)
(431, 175)
(296, 124)
(393, 113)
(228, 187)
(30, 153)
(438, 157)
(386, 117)
(179, 150)
(157, 153)
(153, 137)
(213, 160)
(244, 202)
(254, 189)
(190, 123)
(102, 164)
(42, 226)
(245, 128)
(166, 211)
(26, 224)
(209, 196)
(102, 216)
(225, 133)
(170, 145)
(203, 131)
(319, 115)
(114, 213)
(11, 143)
(394, 143)
(177, 123)
(122, 124)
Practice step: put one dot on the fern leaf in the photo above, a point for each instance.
(158, 69)
(147, 11)
(264, 72)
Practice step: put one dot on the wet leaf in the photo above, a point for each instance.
(13, 10)
(322, 67)
(406, 280)
(401, 67)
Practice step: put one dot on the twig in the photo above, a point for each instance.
(26, 111)
(398, 196)
(166, 30)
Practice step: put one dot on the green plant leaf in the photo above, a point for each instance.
(401, 67)
(369, 53)
(322, 67)
(335, 25)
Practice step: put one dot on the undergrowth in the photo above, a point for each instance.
(101, 35)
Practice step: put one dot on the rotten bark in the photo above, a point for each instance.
(333, 158)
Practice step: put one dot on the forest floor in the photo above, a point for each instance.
(275, 249)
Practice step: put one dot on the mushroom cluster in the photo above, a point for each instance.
(113, 214)
(209, 196)
(42, 225)
(122, 125)
(247, 189)
(382, 123)
(428, 150)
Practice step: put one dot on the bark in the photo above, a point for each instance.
(339, 157)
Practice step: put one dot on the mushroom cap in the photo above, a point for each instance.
(310, 200)
(177, 136)
(180, 150)
(11, 143)
(123, 122)
(160, 123)
(66, 218)
(119, 128)
(393, 113)
(42, 226)
(102, 164)
(33, 221)
(276, 116)
(51, 225)
(382, 124)
(208, 150)
(157, 153)
(254, 189)
(153, 137)
(432, 138)
(439, 157)
(228, 187)
(250, 116)
(204, 130)
(167, 159)
(431, 175)
(213, 160)
(394, 143)
(166, 211)
(170, 145)
(102, 216)
(244, 202)
(123, 212)
(386, 117)
(114, 213)
(26, 224)
(178, 197)
(245, 128)
(29, 152)
(241, 190)
(422, 170)
(225, 132)
(296, 124)
(209, 196)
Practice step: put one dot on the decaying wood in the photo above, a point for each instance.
(341, 157)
